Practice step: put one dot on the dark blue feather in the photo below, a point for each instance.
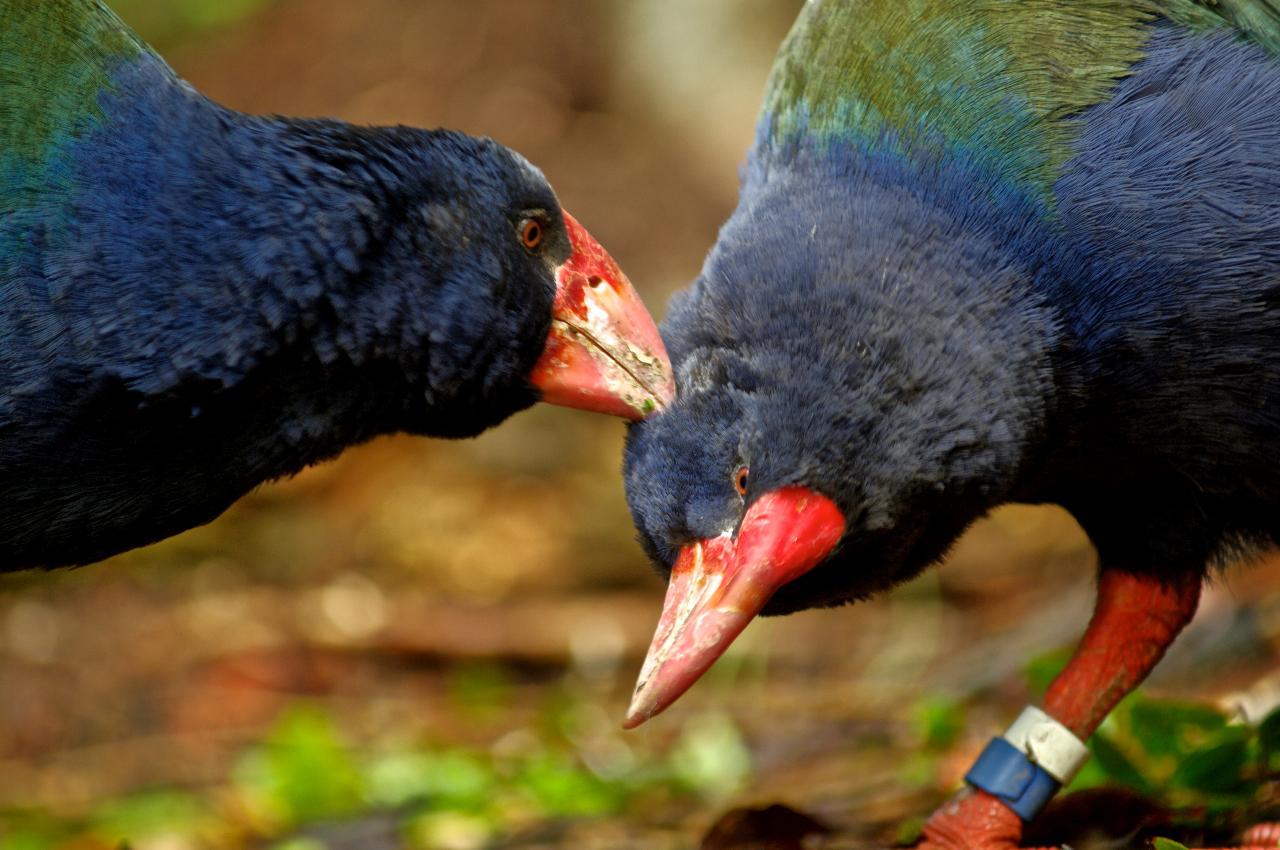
(196, 301)
(912, 334)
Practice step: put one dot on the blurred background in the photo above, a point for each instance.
(430, 644)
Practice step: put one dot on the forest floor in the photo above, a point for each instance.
(221, 706)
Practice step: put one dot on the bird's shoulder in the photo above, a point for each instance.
(56, 59)
(1000, 82)
(1256, 20)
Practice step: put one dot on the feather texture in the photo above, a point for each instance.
(56, 60)
(966, 294)
(1003, 82)
(194, 300)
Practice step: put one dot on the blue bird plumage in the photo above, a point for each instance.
(902, 327)
(923, 340)
(898, 331)
(194, 301)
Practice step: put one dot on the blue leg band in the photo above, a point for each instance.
(1005, 772)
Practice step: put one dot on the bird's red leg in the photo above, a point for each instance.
(1134, 621)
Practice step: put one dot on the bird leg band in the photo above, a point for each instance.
(1027, 765)
(1135, 619)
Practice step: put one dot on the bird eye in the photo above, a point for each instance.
(531, 233)
(740, 480)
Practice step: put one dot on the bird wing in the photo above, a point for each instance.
(1259, 20)
(999, 82)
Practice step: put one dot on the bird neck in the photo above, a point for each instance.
(913, 260)
(1081, 358)
(237, 241)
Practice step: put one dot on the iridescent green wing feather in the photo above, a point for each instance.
(1258, 20)
(56, 57)
(996, 79)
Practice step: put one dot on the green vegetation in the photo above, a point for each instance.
(304, 779)
(1187, 755)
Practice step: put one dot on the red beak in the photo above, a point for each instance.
(717, 586)
(604, 352)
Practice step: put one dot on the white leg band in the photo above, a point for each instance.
(1048, 744)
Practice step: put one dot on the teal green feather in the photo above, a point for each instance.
(999, 80)
(1258, 20)
(56, 57)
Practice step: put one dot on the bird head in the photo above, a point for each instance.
(522, 303)
(857, 381)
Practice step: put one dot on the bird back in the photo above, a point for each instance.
(996, 81)
(56, 58)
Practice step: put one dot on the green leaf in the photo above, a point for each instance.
(1218, 768)
(28, 839)
(909, 831)
(1166, 844)
(1118, 767)
(1269, 732)
(938, 721)
(147, 814)
(303, 771)
(451, 779)
(1090, 776)
(1168, 727)
(562, 788)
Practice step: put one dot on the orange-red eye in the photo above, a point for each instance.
(531, 233)
(740, 480)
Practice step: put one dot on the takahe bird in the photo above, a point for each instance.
(983, 253)
(194, 301)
